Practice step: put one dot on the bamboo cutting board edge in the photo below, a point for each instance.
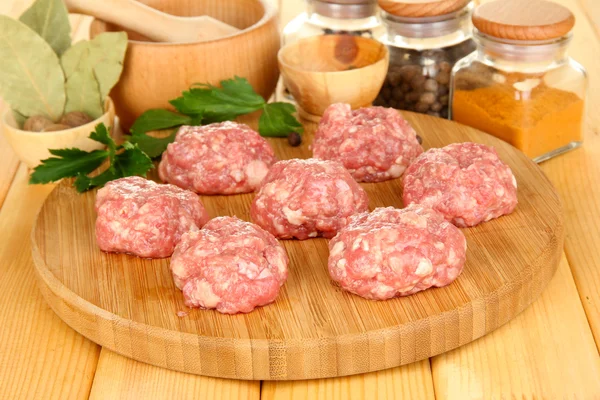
(289, 358)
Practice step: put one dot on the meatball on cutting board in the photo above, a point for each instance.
(467, 182)
(144, 218)
(307, 198)
(394, 252)
(221, 158)
(373, 143)
(230, 265)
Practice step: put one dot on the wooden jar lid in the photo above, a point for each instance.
(421, 8)
(523, 19)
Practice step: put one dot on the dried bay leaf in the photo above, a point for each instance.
(31, 79)
(50, 19)
(83, 93)
(103, 55)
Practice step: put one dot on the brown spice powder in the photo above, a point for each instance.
(536, 121)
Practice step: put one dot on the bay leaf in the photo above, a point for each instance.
(83, 93)
(19, 118)
(31, 79)
(104, 55)
(50, 19)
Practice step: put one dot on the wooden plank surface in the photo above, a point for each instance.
(547, 352)
(577, 174)
(412, 381)
(118, 377)
(40, 356)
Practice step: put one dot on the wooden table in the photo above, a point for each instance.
(550, 351)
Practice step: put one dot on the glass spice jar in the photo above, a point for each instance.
(322, 17)
(520, 85)
(425, 40)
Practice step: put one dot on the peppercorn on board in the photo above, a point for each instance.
(314, 329)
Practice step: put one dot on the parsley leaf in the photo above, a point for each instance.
(66, 164)
(125, 160)
(235, 97)
(153, 146)
(277, 120)
(100, 134)
(131, 161)
(153, 120)
(205, 104)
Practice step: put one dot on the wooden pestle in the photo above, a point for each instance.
(153, 24)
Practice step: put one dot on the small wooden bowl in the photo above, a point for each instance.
(32, 147)
(323, 70)
(155, 73)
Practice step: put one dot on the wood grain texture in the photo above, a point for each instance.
(523, 20)
(155, 25)
(576, 175)
(118, 377)
(130, 305)
(421, 8)
(327, 69)
(547, 352)
(40, 356)
(412, 381)
(534, 355)
(174, 67)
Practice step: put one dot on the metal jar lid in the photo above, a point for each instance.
(345, 9)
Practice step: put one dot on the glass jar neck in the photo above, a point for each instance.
(522, 56)
(428, 32)
(325, 9)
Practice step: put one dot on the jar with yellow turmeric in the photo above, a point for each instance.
(520, 85)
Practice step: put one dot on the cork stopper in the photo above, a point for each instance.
(422, 8)
(530, 20)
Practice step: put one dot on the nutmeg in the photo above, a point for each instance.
(37, 123)
(75, 119)
(56, 127)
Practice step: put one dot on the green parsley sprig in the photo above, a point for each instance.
(124, 160)
(205, 104)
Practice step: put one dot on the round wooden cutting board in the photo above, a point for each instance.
(314, 329)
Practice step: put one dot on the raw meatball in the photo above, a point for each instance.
(144, 218)
(231, 265)
(394, 252)
(466, 182)
(223, 158)
(307, 198)
(375, 143)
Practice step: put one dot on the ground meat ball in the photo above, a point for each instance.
(466, 182)
(223, 158)
(394, 252)
(307, 198)
(144, 218)
(231, 265)
(374, 143)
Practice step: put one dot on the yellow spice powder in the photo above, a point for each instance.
(536, 122)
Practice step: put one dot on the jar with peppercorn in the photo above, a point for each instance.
(520, 85)
(425, 39)
(322, 17)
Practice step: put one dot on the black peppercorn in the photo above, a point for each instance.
(294, 139)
